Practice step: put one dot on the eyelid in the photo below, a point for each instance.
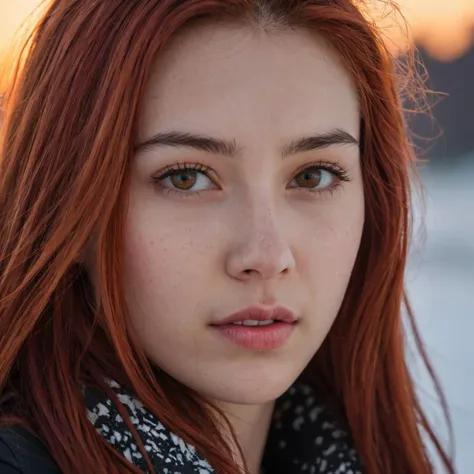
(170, 169)
(340, 172)
(334, 167)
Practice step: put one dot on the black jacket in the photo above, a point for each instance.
(23, 453)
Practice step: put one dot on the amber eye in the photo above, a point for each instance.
(183, 180)
(309, 178)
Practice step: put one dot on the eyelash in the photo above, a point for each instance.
(341, 173)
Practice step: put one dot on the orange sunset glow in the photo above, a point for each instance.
(444, 27)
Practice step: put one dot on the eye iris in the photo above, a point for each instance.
(309, 178)
(184, 179)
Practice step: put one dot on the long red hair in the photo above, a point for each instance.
(67, 143)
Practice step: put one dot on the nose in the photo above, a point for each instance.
(260, 249)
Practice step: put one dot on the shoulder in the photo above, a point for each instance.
(23, 453)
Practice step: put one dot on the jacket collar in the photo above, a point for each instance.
(304, 436)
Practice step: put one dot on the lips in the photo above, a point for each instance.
(258, 337)
(256, 313)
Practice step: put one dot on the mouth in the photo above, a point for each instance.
(259, 316)
(258, 329)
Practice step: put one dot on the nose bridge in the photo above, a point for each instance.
(260, 246)
(261, 219)
(265, 223)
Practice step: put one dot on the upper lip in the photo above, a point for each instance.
(257, 313)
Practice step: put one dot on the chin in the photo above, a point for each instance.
(244, 381)
(247, 390)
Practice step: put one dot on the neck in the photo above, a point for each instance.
(251, 424)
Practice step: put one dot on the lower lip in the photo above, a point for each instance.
(257, 338)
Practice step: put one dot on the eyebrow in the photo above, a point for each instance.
(220, 146)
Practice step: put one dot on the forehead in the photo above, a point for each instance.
(225, 80)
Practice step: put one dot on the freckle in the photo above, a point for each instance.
(152, 242)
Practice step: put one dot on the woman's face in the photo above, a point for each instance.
(264, 224)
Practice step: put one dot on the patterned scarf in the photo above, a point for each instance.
(303, 438)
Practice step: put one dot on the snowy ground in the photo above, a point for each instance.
(440, 283)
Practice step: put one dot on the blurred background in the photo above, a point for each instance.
(440, 274)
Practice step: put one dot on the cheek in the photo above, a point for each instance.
(328, 258)
(152, 290)
(159, 260)
(152, 266)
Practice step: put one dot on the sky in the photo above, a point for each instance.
(444, 27)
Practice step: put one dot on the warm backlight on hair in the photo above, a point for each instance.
(444, 27)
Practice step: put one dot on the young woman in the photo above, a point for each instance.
(204, 231)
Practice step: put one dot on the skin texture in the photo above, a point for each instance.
(253, 235)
